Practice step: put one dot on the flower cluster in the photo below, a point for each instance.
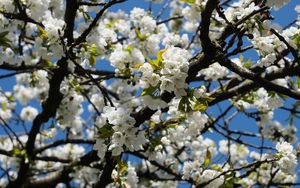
(287, 159)
(123, 133)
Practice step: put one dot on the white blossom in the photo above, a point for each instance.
(28, 113)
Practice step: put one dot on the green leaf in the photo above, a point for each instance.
(137, 65)
(126, 72)
(249, 98)
(18, 152)
(129, 48)
(248, 64)
(93, 54)
(106, 131)
(184, 105)
(3, 106)
(52, 125)
(3, 34)
(151, 124)
(42, 33)
(298, 82)
(47, 64)
(93, 50)
(112, 23)
(109, 24)
(85, 15)
(176, 25)
(172, 125)
(291, 121)
(208, 99)
(207, 159)
(155, 142)
(153, 63)
(10, 98)
(188, 1)
(139, 34)
(148, 91)
(202, 103)
(159, 57)
(241, 58)
(199, 106)
(297, 40)
(216, 167)
(122, 168)
(156, 63)
(92, 60)
(231, 181)
(78, 88)
(4, 41)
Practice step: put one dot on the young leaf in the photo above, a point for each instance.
(159, 57)
(106, 131)
(148, 91)
(199, 106)
(93, 55)
(189, 1)
(248, 64)
(4, 41)
(184, 105)
(207, 159)
(298, 82)
(139, 34)
(42, 33)
(92, 60)
(129, 48)
(4, 106)
(122, 168)
(297, 40)
(155, 142)
(202, 103)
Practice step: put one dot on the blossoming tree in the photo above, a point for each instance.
(103, 97)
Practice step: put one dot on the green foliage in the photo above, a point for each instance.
(185, 104)
(216, 167)
(129, 48)
(4, 41)
(85, 15)
(106, 131)
(207, 159)
(155, 142)
(149, 91)
(156, 63)
(231, 181)
(93, 54)
(18, 152)
(298, 82)
(249, 98)
(3, 106)
(47, 64)
(159, 57)
(172, 125)
(202, 103)
(42, 33)
(122, 168)
(188, 1)
(297, 40)
(112, 23)
(139, 34)
(247, 64)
